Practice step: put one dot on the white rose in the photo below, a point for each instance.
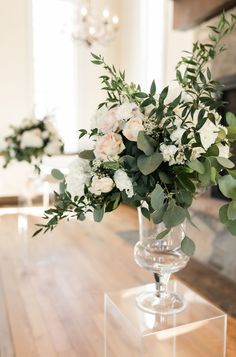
(101, 185)
(132, 128)
(168, 152)
(208, 134)
(109, 145)
(177, 134)
(123, 182)
(79, 176)
(224, 150)
(125, 111)
(108, 122)
(53, 148)
(31, 138)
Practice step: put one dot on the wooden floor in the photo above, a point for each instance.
(52, 287)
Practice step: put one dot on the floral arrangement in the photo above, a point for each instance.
(144, 148)
(31, 140)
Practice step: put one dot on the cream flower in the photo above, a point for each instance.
(79, 176)
(125, 111)
(109, 145)
(168, 152)
(123, 182)
(53, 147)
(101, 185)
(132, 128)
(108, 122)
(31, 138)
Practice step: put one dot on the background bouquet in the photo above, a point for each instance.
(149, 151)
(31, 140)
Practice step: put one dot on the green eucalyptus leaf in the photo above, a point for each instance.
(231, 211)
(184, 198)
(188, 246)
(197, 165)
(231, 226)
(232, 173)
(225, 162)
(163, 233)
(57, 174)
(206, 177)
(164, 177)
(148, 164)
(213, 151)
(87, 155)
(186, 183)
(213, 175)
(144, 143)
(157, 197)
(231, 135)
(174, 215)
(231, 119)
(227, 186)
(157, 216)
(98, 214)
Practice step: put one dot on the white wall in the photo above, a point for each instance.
(15, 64)
(15, 79)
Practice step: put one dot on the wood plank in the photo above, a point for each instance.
(51, 289)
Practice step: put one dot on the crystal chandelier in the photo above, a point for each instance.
(91, 29)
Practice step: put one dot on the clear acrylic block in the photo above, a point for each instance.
(199, 330)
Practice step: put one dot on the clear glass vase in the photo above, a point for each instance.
(162, 257)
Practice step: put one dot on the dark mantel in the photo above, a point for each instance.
(189, 13)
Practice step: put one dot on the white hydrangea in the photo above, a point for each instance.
(125, 110)
(79, 175)
(196, 152)
(123, 182)
(208, 134)
(168, 152)
(31, 138)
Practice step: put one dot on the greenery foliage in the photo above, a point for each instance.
(167, 185)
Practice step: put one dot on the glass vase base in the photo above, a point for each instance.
(170, 303)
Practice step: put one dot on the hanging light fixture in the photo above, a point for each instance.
(91, 29)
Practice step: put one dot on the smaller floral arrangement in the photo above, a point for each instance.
(152, 152)
(31, 140)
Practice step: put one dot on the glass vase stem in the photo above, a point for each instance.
(161, 284)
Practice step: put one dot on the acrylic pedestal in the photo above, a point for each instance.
(197, 331)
